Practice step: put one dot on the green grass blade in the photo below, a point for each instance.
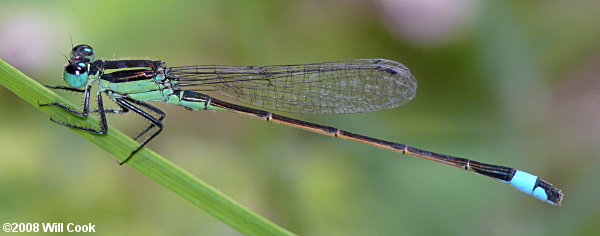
(146, 161)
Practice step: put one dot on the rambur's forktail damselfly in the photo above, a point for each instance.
(351, 86)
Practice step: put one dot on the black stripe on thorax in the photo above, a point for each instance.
(121, 64)
(128, 76)
(146, 69)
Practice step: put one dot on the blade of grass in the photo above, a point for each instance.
(146, 161)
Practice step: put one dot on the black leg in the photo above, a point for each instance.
(65, 88)
(123, 110)
(155, 122)
(112, 111)
(84, 113)
(86, 104)
(103, 125)
(161, 115)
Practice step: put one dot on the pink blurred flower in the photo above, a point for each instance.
(428, 21)
(28, 37)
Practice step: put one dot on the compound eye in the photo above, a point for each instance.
(82, 52)
(76, 74)
(76, 68)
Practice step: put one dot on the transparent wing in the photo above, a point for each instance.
(352, 86)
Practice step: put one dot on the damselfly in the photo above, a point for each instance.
(351, 86)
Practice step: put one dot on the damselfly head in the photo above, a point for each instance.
(82, 52)
(76, 74)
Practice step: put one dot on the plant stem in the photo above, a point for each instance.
(146, 161)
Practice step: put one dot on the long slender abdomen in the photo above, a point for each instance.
(521, 180)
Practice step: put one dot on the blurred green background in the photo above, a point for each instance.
(505, 82)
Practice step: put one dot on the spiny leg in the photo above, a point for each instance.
(114, 111)
(86, 106)
(123, 110)
(156, 110)
(86, 102)
(155, 122)
(103, 124)
(65, 88)
(125, 107)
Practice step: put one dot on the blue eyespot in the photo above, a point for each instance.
(82, 52)
(76, 75)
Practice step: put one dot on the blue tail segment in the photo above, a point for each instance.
(536, 187)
